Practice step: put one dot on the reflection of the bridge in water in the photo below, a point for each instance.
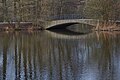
(66, 34)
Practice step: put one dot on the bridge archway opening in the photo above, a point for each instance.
(62, 26)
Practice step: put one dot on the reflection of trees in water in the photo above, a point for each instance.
(39, 57)
(4, 45)
(103, 55)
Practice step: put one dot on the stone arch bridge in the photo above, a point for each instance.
(58, 23)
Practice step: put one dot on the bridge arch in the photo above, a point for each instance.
(65, 23)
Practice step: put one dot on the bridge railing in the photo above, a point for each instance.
(66, 16)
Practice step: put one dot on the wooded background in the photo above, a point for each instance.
(32, 10)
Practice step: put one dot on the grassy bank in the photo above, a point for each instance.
(107, 27)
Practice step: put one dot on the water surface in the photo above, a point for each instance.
(44, 55)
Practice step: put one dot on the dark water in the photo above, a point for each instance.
(46, 55)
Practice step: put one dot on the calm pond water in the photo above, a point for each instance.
(45, 55)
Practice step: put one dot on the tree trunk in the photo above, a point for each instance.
(4, 10)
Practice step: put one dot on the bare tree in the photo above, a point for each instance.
(102, 9)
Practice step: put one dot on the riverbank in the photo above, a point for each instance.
(29, 26)
(107, 29)
(16, 27)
